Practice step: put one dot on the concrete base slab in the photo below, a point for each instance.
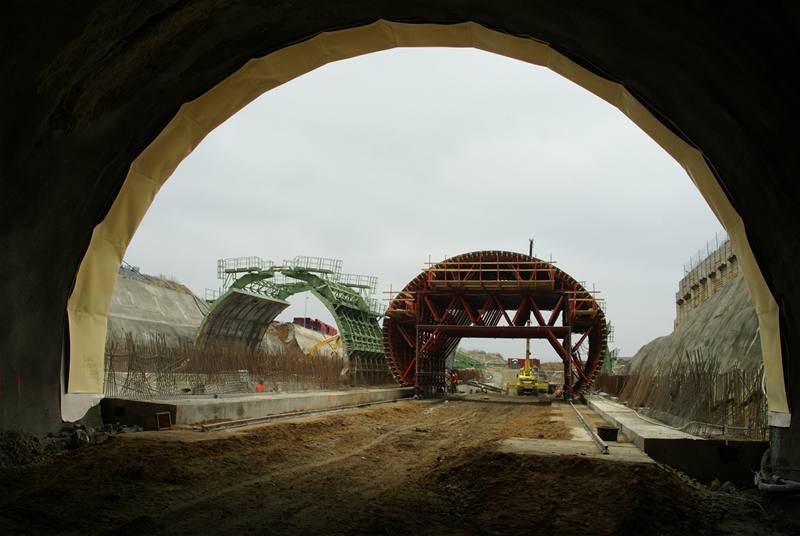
(634, 427)
(624, 452)
(700, 458)
(197, 410)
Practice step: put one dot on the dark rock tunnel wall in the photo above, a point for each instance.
(87, 85)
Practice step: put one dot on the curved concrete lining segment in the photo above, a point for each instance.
(89, 302)
(239, 317)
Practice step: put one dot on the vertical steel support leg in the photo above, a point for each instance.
(568, 365)
(567, 379)
(416, 363)
(568, 347)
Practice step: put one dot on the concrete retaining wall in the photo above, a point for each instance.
(710, 276)
(702, 459)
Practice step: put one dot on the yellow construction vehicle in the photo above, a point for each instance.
(530, 380)
(333, 344)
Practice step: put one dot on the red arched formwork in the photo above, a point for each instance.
(492, 294)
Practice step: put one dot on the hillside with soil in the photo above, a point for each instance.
(724, 328)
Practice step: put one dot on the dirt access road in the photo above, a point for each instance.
(403, 468)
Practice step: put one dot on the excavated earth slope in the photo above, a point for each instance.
(144, 305)
(724, 327)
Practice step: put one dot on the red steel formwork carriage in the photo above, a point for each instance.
(492, 294)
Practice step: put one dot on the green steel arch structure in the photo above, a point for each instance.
(255, 292)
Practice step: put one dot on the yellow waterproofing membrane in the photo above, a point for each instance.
(88, 306)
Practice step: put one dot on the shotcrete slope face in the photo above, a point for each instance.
(724, 328)
(92, 87)
(143, 306)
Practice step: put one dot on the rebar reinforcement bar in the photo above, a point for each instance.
(596, 438)
(486, 386)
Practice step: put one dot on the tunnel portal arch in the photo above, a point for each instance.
(470, 295)
(97, 124)
(88, 305)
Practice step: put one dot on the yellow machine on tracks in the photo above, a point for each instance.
(530, 380)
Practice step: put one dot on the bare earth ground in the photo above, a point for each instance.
(404, 468)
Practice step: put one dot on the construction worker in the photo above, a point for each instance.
(453, 381)
(260, 387)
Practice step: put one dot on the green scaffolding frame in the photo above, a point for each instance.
(343, 295)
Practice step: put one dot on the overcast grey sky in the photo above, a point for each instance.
(389, 158)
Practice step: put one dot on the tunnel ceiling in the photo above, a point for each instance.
(93, 85)
(89, 85)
